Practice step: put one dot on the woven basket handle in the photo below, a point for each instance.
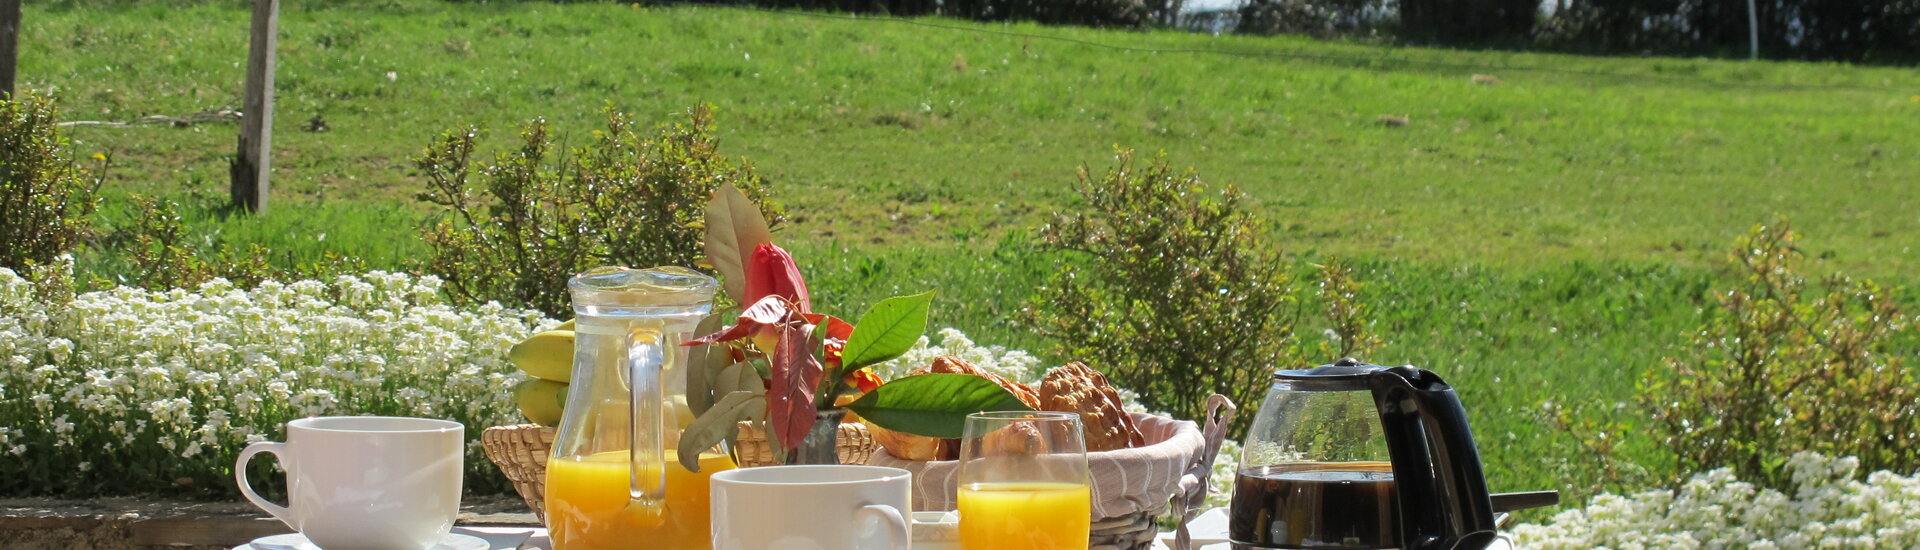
(1194, 486)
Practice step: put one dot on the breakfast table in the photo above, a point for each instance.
(1209, 531)
(535, 538)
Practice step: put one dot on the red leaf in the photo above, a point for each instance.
(796, 374)
(771, 309)
(837, 329)
(769, 312)
(771, 272)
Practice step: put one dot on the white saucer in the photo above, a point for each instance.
(296, 541)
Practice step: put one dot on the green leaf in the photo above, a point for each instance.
(704, 361)
(888, 330)
(933, 405)
(720, 423)
(738, 377)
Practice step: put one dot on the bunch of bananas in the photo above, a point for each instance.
(548, 358)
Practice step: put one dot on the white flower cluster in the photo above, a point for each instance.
(1828, 508)
(162, 385)
(1225, 466)
(1012, 364)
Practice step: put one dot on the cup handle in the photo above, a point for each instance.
(246, 489)
(897, 537)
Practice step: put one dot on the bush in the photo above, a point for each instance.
(1824, 508)
(1783, 367)
(533, 220)
(1097, 13)
(1318, 19)
(45, 199)
(1349, 323)
(1168, 288)
(154, 252)
(130, 391)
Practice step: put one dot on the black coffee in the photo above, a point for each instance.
(1315, 505)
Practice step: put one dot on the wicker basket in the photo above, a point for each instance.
(1131, 487)
(521, 453)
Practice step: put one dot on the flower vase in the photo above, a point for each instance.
(822, 442)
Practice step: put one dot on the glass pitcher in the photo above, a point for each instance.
(614, 480)
(1359, 456)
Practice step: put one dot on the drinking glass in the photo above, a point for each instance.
(1023, 482)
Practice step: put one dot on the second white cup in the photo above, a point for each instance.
(812, 508)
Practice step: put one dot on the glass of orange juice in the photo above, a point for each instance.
(1023, 482)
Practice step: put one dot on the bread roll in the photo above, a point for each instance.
(1078, 388)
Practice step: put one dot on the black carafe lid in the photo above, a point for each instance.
(1347, 374)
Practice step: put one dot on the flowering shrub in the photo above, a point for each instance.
(515, 225)
(46, 199)
(1012, 364)
(1785, 364)
(1223, 306)
(157, 391)
(1827, 509)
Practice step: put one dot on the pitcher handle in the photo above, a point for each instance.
(1197, 482)
(898, 538)
(246, 488)
(646, 358)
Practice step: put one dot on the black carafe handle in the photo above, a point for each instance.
(1444, 503)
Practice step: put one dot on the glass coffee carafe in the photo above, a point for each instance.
(613, 480)
(1359, 456)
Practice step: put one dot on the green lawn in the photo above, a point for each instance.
(1547, 238)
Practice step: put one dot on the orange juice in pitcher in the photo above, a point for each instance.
(588, 504)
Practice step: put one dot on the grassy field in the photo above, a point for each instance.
(1546, 238)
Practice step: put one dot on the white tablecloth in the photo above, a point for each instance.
(1209, 532)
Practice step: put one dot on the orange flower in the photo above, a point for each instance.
(864, 380)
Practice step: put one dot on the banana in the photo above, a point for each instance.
(542, 401)
(547, 355)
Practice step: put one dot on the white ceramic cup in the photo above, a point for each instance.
(366, 482)
(812, 508)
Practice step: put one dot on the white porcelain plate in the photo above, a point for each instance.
(296, 541)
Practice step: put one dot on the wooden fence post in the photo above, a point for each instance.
(9, 44)
(249, 188)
